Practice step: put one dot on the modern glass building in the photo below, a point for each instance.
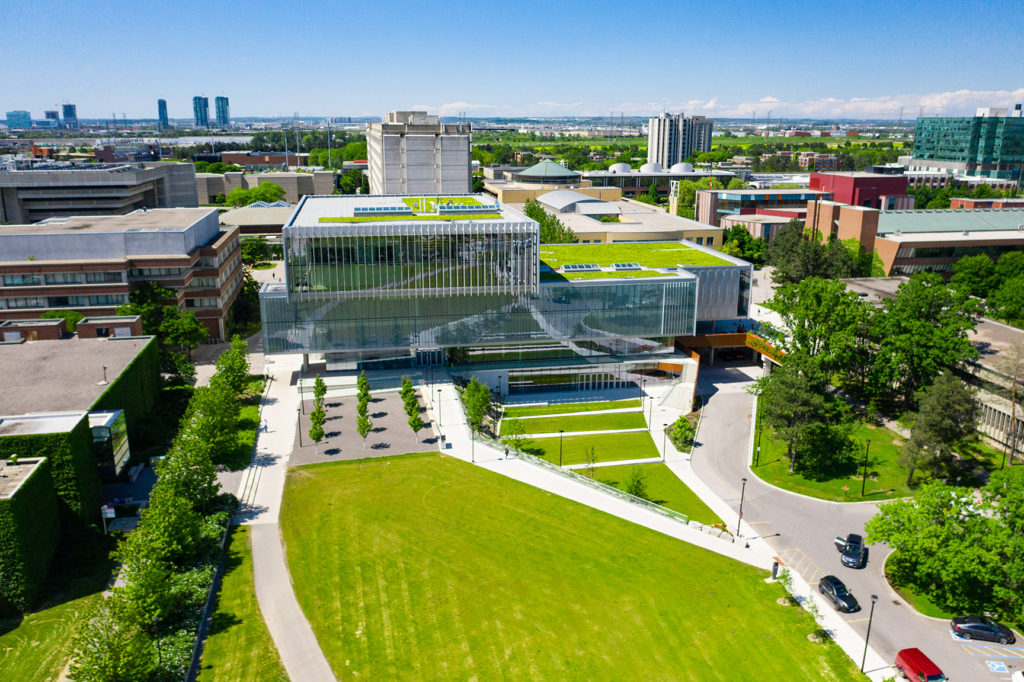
(201, 111)
(990, 144)
(380, 281)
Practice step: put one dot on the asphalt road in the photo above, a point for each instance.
(801, 530)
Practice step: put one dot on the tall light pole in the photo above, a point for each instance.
(298, 416)
(867, 637)
(743, 492)
(560, 432)
(438, 409)
(864, 478)
(472, 447)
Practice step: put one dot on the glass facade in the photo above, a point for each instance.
(988, 145)
(428, 258)
(608, 314)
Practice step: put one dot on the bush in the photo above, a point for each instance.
(682, 432)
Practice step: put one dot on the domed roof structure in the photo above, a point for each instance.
(682, 168)
(548, 173)
(652, 167)
(619, 168)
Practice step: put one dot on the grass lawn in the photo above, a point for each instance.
(264, 266)
(626, 274)
(608, 447)
(421, 218)
(36, 647)
(663, 487)
(568, 408)
(239, 646)
(428, 203)
(886, 479)
(582, 422)
(425, 567)
(652, 255)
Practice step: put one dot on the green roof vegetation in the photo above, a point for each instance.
(424, 217)
(428, 204)
(623, 274)
(651, 255)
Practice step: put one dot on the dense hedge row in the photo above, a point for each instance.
(76, 479)
(29, 534)
(136, 389)
(146, 629)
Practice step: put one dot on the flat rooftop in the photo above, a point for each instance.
(623, 260)
(988, 220)
(798, 191)
(386, 208)
(54, 376)
(856, 174)
(635, 217)
(12, 476)
(153, 220)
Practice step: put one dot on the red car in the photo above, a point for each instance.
(912, 664)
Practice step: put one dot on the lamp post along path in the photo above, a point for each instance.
(739, 519)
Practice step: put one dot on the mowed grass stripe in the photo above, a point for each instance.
(569, 408)
(607, 447)
(576, 593)
(581, 422)
(243, 649)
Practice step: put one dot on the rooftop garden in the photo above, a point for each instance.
(421, 217)
(649, 255)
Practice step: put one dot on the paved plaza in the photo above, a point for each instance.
(391, 434)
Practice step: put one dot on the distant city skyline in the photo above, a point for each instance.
(796, 59)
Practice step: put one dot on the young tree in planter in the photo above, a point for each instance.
(319, 389)
(363, 427)
(317, 419)
(415, 423)
(476, 398)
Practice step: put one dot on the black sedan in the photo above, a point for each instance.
(855, 554)
(835, 591)
(980, 627)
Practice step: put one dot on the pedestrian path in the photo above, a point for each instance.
(260, 495)
(574, 414)
(566, 434)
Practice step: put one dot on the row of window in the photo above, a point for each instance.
(40, 279)
(20, 302)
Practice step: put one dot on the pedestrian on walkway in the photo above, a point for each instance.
(506, 453)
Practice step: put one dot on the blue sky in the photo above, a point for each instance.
(816, 59)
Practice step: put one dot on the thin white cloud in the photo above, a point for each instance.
(452, 107)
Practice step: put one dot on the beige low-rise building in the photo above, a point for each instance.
(520, 185)
(295, 184)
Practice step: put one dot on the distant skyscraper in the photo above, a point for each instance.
(51, 118)
(161, 114)
(673, 138)
(201, 111)
(223, 117)
(70, 112)
(19, 119)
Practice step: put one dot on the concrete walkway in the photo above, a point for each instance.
(260, 494)
(566, 434)
(457, 434)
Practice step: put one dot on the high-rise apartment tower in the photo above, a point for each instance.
(70, 112)
(201, 111)
(223, 117)
(673, 138)
(161, 114)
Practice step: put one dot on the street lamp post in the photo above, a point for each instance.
(743, 492)
(864, 658)
(472, 447)
(298, 416)
(438, 408)
(864, 478)
(560, 432)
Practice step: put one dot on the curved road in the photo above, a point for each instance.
(801, 530)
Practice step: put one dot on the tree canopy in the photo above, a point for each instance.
(552, 230)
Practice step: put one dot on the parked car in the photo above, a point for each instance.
(854, 553)
(980, 627)
(835, 591)
(914, 665)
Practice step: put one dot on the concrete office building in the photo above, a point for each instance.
(411, 152)
(296, 185)
(201, 111)
(923, 240)
(463, 280)
(989, 144)
(90, 264)
(163, 123)
(673, 138)
(70, 113)
(19, 119)
(223, 115)
(48, 191)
